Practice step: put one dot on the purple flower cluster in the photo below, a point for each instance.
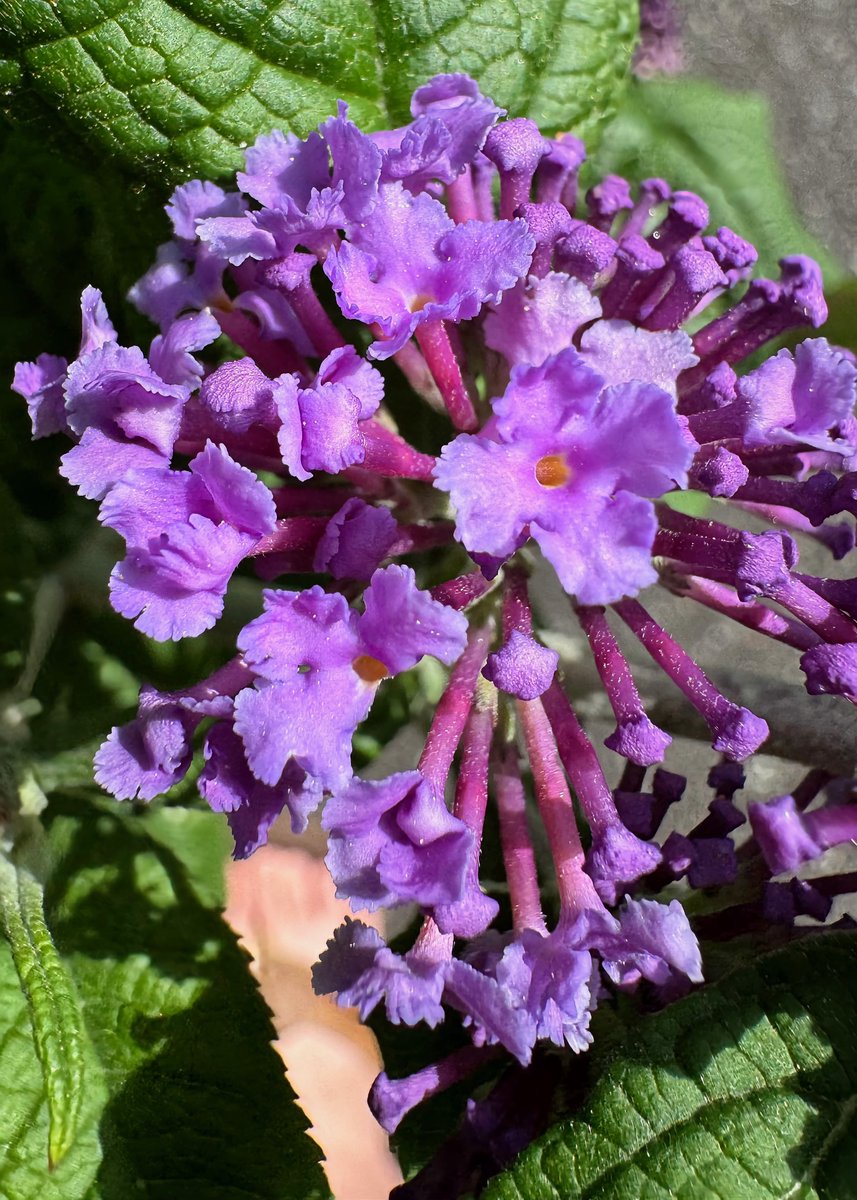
(454, 256)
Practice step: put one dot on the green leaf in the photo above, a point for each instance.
(717, 143)
(24, 1168)
(172, 87)
(184, 1093)
(54, 1008)
(745, 1091)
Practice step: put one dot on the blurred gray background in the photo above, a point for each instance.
(802, 54)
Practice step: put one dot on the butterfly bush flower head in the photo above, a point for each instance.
(305, 316)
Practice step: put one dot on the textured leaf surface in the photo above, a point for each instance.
(54, 1008)
(717, 143)
(24, 1172)
(745, 1091)
(179, 86)
(184, 1094)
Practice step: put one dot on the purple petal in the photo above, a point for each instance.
(41, 385)
(401, 623)
(356, 165)
(485, 480)
(281, 166)
(617, 859)
(290, 435)
(310, 630)
(236, 495)
(831, 669)
(365, 382)
(96, 328)
(541, 403)
(782, 835)
(147, 756)
(539, 318)
(393, 841)
(100, 460)
(235, 239)
(228, 785)
(331, 440)
(355, 540)
(238, 395)
(409, 264)
(350, 951)
(638, 441)
(603, 552)
(486, 1005)
(171, 354)
(116, 388)
(192, 202)
(310, 718)
(621, 353)
(655, 941)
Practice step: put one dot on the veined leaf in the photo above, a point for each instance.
(745, 1091)
(177, 87)
(54, 1008)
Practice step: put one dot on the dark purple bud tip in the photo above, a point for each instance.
(802, 287)
(764, 563)
(640, 812)
(687, 216)
(739, 734)
(669, 786)
(723, 816)
(714, 863)
(567, 152)
(616, 859)
(717, 389)
(639, 740)
(720, 473)
(547, 222)
(516, 145)
(782, 902)
(831, 670)
(839, 539)
(726, 778)
(522, 667)
(678, 853)
(733, 254)
(697, 270)
(654, 192)
(608, 198)
(638, 258)
(586, 253)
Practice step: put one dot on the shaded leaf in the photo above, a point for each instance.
(54, 1008)
(24, 1173)
(172, 87)
(746, 1090)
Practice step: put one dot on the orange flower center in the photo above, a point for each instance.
(419, 302)
(370, 670)
(552, 471)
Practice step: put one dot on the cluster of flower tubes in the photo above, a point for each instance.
(452, 266)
